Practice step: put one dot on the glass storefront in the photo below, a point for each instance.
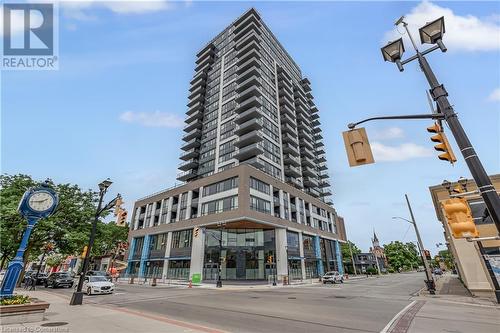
(154, 268)
(244, 254)
(178, 269)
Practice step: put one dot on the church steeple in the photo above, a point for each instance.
(375, 240)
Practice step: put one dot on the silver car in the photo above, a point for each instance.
(332, 277)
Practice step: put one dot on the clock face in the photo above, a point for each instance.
(40, 201)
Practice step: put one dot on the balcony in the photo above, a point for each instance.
(325, 193)
(307, 152)
(185, 176)
(304, 135)
(316, 129)
(315, 122)
(191, 153)
(310, 182)
(192, 125)
(321, 159)
(308, 161)
(244, 56)
(324, 183)
(292, 171)
(286, 100)
(323, 175)
(207, 50)
(243, 21)
(200, 82)
(248, 138)
(247, 104)
(202, 69)
(249, 92)
(322, 167)
(309, 172)
(290, 149)
(198, 76)
(287, 138)
(307, 144)
(253, 45)
(253, 112)
(294, 182)
(312, 191)
(286, 128)
(320, 151)
(195, 133)
(287, 109)
(254, 70)
(193, 143)
(199, 97)
(249, 151)
(309, 95)
(198, 114)
(314, 109)
(252, 27)
(196, 91)
(318, 136)
(255, 161)
(195, 107)
(291, 160)
(249, 125)
(314, 116)
(286, 119)
(319, 144)
(253, 36)
(251, 81)
(189, 164)
(253, 61)
(207, 60)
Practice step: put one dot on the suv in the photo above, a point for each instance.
(41, 278)
(99, 273)
(59, 279)
(332, 277)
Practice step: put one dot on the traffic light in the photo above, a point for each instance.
(357, 147)
(444, 145)
(270, 259)
(122, 218)
(427, 254)
(196, 232)
(84, 252)
(459, 217)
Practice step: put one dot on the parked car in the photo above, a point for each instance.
(97, 284)
(438, 271)
(99, 273)
(332, 277)
(59, 279)
(41, 278)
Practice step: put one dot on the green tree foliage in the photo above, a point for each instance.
(346, 253)
(54, 260)
(402, 256)
(69, 226)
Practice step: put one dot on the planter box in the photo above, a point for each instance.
(23, 313)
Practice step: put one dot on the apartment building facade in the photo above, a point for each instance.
(255, 203)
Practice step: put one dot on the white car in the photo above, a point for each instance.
(332, 277)
(98, 285)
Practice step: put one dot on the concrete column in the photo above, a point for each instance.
(177, 219)
(200, 195)
(167, 254)
(301, 252)
(146, 221)
(136, 220)
(339, 257)
(169, 209)
(282, 204)
(197, 253)
(281, 259)
(297, 207)
(162, 207)
(317, 252)
(153, 210)
(131, 251)
(188, 208)
(287, 198)
(144, 256)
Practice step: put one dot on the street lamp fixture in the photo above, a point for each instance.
(447, 185)
(103, 186)
(432, 33)
(393, 52)
(463, 182)
(402, 218)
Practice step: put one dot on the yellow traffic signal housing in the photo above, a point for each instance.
(196, 232)
(122, 218)
(118, 206)
(459, 217)
(443, 145)
(358, 147)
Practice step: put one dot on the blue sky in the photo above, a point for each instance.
(115, 106)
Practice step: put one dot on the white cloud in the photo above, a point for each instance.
(77, 9)
(495, 95)
(403, 152)
(463, 33)
(388, 134)
(153, 119)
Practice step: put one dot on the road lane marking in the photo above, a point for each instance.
(389, 324)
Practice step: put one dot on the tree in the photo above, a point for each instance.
(401, 256)
(54, 260)
(346, 254)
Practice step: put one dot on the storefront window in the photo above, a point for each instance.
(179, 269)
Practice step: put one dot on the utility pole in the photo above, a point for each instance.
(352, 258)
(430, 281)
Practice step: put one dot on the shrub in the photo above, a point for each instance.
(15, 300)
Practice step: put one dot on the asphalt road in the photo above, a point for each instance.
(356, 306)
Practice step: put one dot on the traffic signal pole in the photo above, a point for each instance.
(430, 281)
(483, 182)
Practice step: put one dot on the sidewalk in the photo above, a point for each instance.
(60, 317)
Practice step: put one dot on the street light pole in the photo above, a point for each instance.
(352, 259)
(77, 298)
(430, 281)
(219, 271)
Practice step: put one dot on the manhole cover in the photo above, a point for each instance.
(54, 324)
